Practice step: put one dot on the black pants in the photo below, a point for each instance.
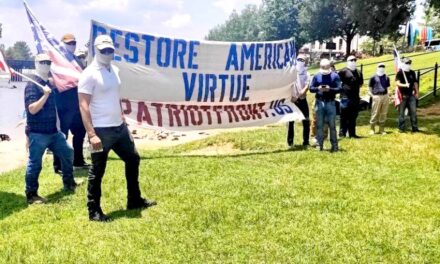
(304, 107)
(71, 120)
(121, 142)
(349, 115)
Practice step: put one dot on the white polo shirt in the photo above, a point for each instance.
(103, 86)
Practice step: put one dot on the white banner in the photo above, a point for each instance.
(178, 84)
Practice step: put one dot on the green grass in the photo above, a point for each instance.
(376, 201)
(419, 62)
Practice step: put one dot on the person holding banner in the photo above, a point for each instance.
(406, 81)
(326, 84)
(299, 97)
(101, 111)
(69, 114)
(42, 131)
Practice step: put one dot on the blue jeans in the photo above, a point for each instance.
(326, 113)
(38, 143)
(411, 103)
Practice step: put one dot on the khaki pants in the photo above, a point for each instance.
(379, 110)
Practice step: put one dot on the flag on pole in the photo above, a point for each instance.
(65, 69)
(3, 65)
(397, 66)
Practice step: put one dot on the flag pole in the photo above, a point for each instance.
(398, 58)
(27, 78)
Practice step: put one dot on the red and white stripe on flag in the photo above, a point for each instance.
(3, 65)
(65, 69)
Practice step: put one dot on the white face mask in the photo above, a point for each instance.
(104, 59)
(325, 71)
(70, 48)
(406, 67)
(42, 70)
(380, 71)
(300, 66)
(351, 65)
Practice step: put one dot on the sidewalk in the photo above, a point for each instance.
(13, 153)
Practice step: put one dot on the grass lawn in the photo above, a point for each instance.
(376, 201)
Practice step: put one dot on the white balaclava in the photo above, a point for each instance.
(70, 48)
(351, 64)
(301, 66)
(380, 71)
(406, 67)
(42, 70)
(104, 59)
(325, 67)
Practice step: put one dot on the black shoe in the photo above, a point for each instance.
(82, 165)
(415, 129)
(70, 187)
(58, 171)
(98, 216)
(335, 149)
(355, 136)
(140, 204)
(341, 134)
(34, 198)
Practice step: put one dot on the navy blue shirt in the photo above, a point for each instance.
(381, 86)
(331, 80)
(45, 121)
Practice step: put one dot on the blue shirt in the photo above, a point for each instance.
(331, 80)
(45, 121)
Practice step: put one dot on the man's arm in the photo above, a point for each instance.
(84, 106)
(36, 106)
(399, 83)
(416, 90)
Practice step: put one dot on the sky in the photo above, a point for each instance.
(189, 19)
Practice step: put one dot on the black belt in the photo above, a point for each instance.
(382, 93)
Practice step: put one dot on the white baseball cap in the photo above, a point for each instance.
(103, 42)
(42, 57)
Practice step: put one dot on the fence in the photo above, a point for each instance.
(19, 66)
(420, 72)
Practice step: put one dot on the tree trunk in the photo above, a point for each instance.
(374, 48)
(348, 47)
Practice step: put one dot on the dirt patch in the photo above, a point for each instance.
(433, 110)
(215, 150)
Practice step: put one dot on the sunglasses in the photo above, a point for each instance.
(381, 67)
(71, 43)
(107, 51)
(302, 60)
(408, 63)
(45, 62)
(353, 60)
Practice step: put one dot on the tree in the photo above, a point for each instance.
(434, 3)
(325, 19)
(245, 26)
(20, 51)
(280, 20)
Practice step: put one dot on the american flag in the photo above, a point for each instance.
(397, 66)
(65, 69)
(3, 65)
